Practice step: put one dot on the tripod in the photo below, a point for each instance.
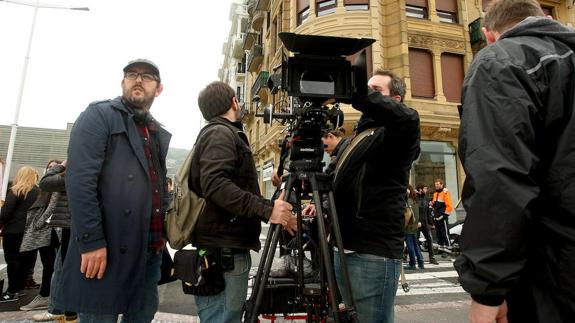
(316, 298)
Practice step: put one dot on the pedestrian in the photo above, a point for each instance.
(224, 173)
(115, 181)
(441, 207)
(516, 146)
(334, 144)
(54, 181)
(19, 199)
(412, 232)
(426, 221)
(38, 237)
(369, 189)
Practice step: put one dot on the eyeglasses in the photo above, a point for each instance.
(146, 77)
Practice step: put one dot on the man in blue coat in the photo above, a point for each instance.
(117, 198)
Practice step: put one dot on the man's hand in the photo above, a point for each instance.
(94, 263)
(487, 314)
(276, 180)
(309, 210)
(282, 214)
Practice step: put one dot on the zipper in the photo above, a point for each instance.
(360, 191)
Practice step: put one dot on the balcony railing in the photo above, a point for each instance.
(260, 82)
(255, 58)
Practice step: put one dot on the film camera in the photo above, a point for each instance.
(317, 75)
(318, 72)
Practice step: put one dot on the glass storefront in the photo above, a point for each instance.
(437, 160)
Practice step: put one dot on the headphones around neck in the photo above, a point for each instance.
(141, 116)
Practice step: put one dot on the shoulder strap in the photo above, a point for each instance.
(350, 147)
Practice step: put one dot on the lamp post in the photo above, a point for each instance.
(14, 128)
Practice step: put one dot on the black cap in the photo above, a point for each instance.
(143, 61)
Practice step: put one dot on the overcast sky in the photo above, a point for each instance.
(77, 57)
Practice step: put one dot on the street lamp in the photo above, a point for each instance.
(37, 5)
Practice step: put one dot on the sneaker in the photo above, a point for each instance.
(8, 297)
(433, 261)
(46, 317)
(31, 284)
(38, 303)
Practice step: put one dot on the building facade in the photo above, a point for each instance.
(430, 43)
(35, 146)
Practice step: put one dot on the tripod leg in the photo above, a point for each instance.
(267, 259)
(324, 249)
(339, 244)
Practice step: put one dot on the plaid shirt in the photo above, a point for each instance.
(155, 238)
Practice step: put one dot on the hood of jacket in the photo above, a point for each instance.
(542, 27)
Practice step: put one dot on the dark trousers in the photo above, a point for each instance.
(428, 239)
(48, 256)
(442, 232)
(17, 262)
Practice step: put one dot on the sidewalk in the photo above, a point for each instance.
(26, 317)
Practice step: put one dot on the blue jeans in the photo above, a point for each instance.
(226, 307)
(151, 300)
(56, 283)
(413, 250)
(374, 285)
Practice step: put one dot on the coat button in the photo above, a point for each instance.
(123, 250)
(127, 211)
(130, 177)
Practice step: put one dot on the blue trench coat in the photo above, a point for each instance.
(110, 198)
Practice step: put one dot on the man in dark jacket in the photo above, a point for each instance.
(369, 188)
(224, 173)
(516, 145)
(117, 198)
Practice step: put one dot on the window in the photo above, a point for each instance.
(452, 76)
(267, 172)
(325, 7)
(548, 11)
(416, 9)
(353, 5)
(421, 73)
(302, 11)
(447, 10)
(437, 160)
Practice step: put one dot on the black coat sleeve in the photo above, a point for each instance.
(52, 181)
(497, 148)
(8, 207)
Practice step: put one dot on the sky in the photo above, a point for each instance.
(77, 57)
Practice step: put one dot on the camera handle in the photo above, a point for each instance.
(319, 183)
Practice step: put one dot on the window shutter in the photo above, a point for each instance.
(302, 5)
(452, 76)
(421, 71)
(446, 5)
(417, 3)
(355, 2)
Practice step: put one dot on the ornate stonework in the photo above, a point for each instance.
(435, 42)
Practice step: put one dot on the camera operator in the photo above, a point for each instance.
(369, 187)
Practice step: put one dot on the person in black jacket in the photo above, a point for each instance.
(19, 198)
(369, 188)
(224, 173)
(426, 221)
(516, 146)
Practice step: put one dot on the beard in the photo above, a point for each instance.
(143, 101)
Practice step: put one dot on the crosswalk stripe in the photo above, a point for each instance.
(432, 275)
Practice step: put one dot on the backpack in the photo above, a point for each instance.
(186, 205)
(185, 208)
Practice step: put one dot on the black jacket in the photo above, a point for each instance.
(52, 181)
(223, 171)
(370, 186)
(14, 211)
(517, 147)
